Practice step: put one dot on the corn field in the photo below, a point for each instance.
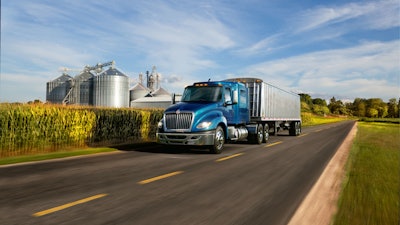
(32, 129)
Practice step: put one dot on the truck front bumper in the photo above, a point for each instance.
(198, 139)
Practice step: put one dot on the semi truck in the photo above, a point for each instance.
(213, 113)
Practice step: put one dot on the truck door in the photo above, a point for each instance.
(228, 111)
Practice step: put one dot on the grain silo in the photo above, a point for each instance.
(111, 89)
(83, 91)
(58, 89)
(138, 91)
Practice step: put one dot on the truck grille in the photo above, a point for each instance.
(178, 121)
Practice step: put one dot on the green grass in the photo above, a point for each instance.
(381, 120)
(54, 155)
(370, 194)
(309, 119)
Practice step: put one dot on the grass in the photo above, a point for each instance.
(370, 193)
(309, 119)
(54, 155)
(381, 120)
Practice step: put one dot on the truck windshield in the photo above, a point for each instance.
(202, 94)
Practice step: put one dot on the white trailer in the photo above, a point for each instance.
(273, 107)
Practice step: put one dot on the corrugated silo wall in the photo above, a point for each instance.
(56, 91)
(111, 91)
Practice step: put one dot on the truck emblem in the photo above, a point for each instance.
(178, 111)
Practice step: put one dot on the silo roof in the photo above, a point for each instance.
(161, 91)
(64, 77)
(139, 87)
(84, 76)
(112, 72)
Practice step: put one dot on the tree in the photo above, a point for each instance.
(306, 102)
(319, 101)
(378, 106)
(393, 108)
(372, 113)
(359, 107)
(337, 107)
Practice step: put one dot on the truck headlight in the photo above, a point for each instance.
(160, 124)
(203, 125)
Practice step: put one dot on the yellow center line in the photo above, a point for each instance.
(302, 135)
(58, 208)
(160, 177)
(229, 157)
(275, 143)
(319, 130)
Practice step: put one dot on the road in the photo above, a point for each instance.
(153, 184)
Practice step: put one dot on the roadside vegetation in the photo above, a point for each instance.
(370, 193)
(34, 129)
(38, 129)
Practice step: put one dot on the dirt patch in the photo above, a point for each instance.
(320, 205)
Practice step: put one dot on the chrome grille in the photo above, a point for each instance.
(178, 121)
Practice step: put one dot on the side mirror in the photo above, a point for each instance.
(235, 98)
(173, 98)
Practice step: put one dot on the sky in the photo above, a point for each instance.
(343, 49)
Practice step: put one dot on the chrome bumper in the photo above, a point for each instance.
(199, 139)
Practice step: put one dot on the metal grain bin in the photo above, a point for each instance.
(138, 91)
(83, 91)
(111, 89)
(57, 89)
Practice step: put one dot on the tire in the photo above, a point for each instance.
(298, 128)
(265, 133)
(257, 138)
(219, 141)
(295, 128)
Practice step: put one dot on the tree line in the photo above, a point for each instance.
(360, 107)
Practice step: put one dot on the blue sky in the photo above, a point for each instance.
(345, 49)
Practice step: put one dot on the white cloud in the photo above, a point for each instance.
(367, 70)
(366, 15)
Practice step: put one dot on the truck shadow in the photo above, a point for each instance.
(152, 147)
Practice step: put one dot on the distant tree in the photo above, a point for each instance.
(306, 98)
(358, 107)
(319, 101)
(398, 108)
(320, 110)
(306, 102)
(36, 101)
(393, 108)
(372, 112)
(378, 105)
(337, 107)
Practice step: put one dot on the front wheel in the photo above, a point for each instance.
(219, 141)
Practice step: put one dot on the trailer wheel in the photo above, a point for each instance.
(295, 128)
(298, 129)
(266, 133)
(219, 141)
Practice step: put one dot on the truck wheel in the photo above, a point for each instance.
(265, 133)
(257, 138)
(298, 129)
(219, 141)
(295, 129)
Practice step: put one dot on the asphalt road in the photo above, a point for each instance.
(152, 184)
